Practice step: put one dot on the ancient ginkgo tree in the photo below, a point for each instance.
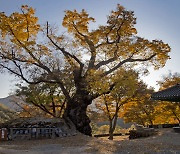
(85, 58)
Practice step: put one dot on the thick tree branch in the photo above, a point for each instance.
(20, 75)
(43, 108)
(39, 80)
(105, 62)
(130, 59)
(52, 100)
(117, 40)
(115, 68)
(41, 65)
(106, 92)
(91, 47)
(141, 60)
(61, 109)
(65, 53)
(14, 58)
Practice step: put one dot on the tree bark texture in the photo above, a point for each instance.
(111, 131)
(112, 126)
(76, 112)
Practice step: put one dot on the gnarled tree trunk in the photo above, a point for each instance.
(76, 112)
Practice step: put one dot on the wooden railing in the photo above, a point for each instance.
(29, 133)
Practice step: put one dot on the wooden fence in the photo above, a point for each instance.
(34, 133)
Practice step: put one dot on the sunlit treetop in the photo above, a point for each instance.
(169, 80)
(37, 53)
(117, 39)
(21, 28)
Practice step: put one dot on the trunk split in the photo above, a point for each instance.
(111, 136)
(112, 126)
(76, 112)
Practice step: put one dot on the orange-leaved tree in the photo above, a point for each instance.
(45, 96)
(141, 109)
(85, 58)
(125, 90)
(169, 112)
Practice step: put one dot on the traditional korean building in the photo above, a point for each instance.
(171, 94)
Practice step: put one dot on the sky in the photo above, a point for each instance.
(156, 19)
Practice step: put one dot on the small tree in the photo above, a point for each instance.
(170, 110)
(47, 97)
(141, 109)
(124, 91)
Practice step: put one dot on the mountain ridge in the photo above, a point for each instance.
(13, 103)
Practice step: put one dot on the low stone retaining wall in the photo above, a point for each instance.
(141, 133)
(37, 128)
(164, 126)
(177, 129)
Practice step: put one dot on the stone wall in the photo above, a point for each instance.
(39, 127)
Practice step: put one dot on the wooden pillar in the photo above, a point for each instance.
(11, 133)
(53, 133)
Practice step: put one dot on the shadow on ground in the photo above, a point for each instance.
(166, 141)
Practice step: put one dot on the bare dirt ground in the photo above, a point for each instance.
(165, 142)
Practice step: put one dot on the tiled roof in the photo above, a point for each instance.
(170, 94)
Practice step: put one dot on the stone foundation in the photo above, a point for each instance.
(37, 128)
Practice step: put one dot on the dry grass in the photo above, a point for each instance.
(165, 142)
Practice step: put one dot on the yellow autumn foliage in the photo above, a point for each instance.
(22, 27)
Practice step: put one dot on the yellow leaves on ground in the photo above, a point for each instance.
(20, 27)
